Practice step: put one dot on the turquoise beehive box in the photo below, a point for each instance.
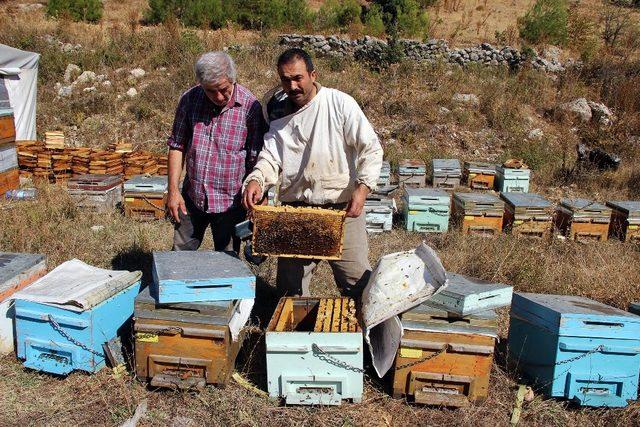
(466, 295)
(193, 276)
(64, 319)
(426, 210)
(576, 348)
(314, 352)
(511, 180)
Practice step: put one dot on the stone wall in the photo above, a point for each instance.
(371, 49)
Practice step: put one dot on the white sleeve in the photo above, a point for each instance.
(267, 168)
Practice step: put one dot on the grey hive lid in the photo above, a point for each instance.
(582, 204)
(12, 264)
(425, 192)
(477, 198)
(143, 183)
(529, 200)
(626, 206)
(199, 265)
(446, 164)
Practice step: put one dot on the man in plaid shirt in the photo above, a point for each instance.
(217, 133)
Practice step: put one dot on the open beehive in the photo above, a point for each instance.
(298, 232)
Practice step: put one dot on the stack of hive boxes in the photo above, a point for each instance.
(64, 319)
(426, 210)
(99, 193)
(17, 270)
(61, 161)
(513, 177)
(145, 197)
(9, 174)
(188, 323)
(576, 348)
(446, 351)
(315, 351)
(583, 220)
(446, 173)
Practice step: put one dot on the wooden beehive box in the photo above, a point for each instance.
(480, 175)
(184, 345)
(298, 232)
(145, 197)
(9, 180)
(7, 126)
(528, 215)
(478, 213)
(315, 351)
(625, 220)
(583, 220)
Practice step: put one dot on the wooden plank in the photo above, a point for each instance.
(344, 318)
(322, 308)
(286, 315)
(353, 321)
(335, 322)
(327, 320)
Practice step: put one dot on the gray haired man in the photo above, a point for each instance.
(217, 134)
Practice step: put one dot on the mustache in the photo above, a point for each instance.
(294, 92)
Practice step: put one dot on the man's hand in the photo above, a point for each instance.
(354, 209)
(175, 203)
(252, 195)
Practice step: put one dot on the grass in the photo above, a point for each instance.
(405, 104)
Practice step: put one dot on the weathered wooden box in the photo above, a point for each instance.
(145, 197)
(17, 270)
(298, 232)
(9, 180)
(7, 126)
(8, 156)
(99, 193)
(465, 295)
(184, 345)
(412, 173)
(512, 180)
(480, 175)
(576, 348)
(446, 173)
(315, 351)
(444, 359)
(478, 213)
(378, 211)
(196, 276)
(625, 220)
(59, 338)
(583, 220)
(528, 215)
(426, 210)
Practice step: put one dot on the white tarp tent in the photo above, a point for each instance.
(19, 78)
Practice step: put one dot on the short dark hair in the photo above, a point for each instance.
(295, 53)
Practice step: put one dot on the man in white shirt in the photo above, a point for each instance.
(328, 155)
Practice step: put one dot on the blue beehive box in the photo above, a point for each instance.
(426, 210)
(466, 295)
(512, 180)
(192, 276)
(64, 319)
(576, 348)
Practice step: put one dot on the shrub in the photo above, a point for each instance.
(404, 17)
(546, 21)
(373, 22)
(339, 14)
(78, 10)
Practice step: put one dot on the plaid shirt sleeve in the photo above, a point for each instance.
(182, 132)
(256, 128)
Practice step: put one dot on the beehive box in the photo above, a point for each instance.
(426, 210)
(63, 320)
(298, 232)
(145, 197)
(466, 295)
(7, 126)
(184, 345)
(99, 193)
(8, 156)
(446, 173)
(315, 351)
(191, 276)
(412, 173)
(576, 348)
(583, 220)
(444, 359)
(480, 175)
(378, 211)
(625, 220)
(9, 180)
(478, 213)
(385, 174)
(17, 270)
(512, 180)
(528, 215)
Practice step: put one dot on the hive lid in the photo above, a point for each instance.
(446, 164)
(569, 315)
(527, 200)
(429, 318)
(583, 205)
(630, 207)
(77, 286)
(94, 182)
(188, 266)
(147, 184)
(478, 198)
(16, 267)
(425, 192)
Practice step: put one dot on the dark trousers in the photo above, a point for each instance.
(188, 234)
